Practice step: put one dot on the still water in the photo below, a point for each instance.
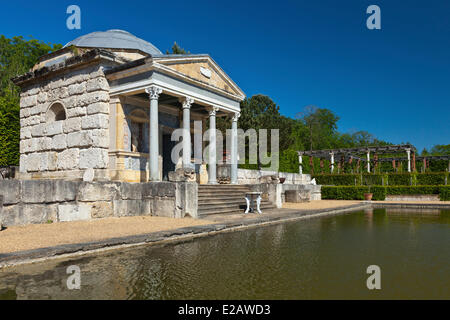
(319, 258)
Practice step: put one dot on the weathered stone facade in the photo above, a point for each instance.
(78, 142)
(41, 201)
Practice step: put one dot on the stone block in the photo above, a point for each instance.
(158, 189)
(64, 190)
(68, 159)
(37, 191)
(76, 112)
(95, 121)
(59, 142)
(28, 101)
(24, 112)
(97, 84)
(131, 191)
(25, 133)
(164, 207)
(42, 97)
(102, 209)
(38, 213)
(77, 88)
(11, 215)
(72, 125)
(100, 107)
(74, 212)
(98, 191)
(10, 190)
(79, 139)
(123, 208)
(94, 158)
(52, 161)
(100, 138)
(54, 128)
(33, 162)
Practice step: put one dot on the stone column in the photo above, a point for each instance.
(300, 163)
(408, 154)
(234, 148)
(332, 161)
(212, 146)
(187, 132)
(154, 92)
(368, 161)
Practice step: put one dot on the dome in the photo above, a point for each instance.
(114, 39)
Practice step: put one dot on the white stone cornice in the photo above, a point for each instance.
(153, 92)
(187, 102)
(236, 116)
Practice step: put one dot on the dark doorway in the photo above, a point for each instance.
(167, 163)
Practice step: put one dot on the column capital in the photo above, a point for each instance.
(236, 116)
(213, 111)
(153, 92)
(186, 102)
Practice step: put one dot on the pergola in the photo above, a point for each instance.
(360, 154)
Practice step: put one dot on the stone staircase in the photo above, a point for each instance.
(225, 199)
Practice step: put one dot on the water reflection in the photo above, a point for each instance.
(311, 259)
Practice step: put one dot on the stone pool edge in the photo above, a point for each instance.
(185, 233)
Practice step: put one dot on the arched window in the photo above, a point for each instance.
(56, 112)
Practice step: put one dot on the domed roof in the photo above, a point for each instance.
(114, 39)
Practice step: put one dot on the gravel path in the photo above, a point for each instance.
(19, 238)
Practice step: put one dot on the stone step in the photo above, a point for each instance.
(230, 210)
(220, 208)
(215, 189)
(219, 201)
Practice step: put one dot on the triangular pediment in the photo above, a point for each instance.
(202, 69)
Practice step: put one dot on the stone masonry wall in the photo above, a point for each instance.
(38, 201)
(246, 176)
(79, 142)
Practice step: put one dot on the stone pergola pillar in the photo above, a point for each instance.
(408, 154)
(234, 149)
(368, 161)
(300, 163)
(332, 161)
(186, 105)
(154, 92)
(212, 146)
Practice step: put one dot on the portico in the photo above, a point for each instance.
(172, 92)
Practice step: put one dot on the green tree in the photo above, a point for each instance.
(176, 49)
(441, 150)
(17, 56)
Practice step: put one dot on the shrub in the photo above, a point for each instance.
(394, 190)
(437, 178)
(344, 192)
(337, 179)
(399, 179)
(444, 193)
(372, 179)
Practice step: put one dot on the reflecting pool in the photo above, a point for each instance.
(318, 258)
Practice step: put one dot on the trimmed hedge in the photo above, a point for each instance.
(352, 192)
(399, 179)
(394, 190)
(391, 179)
(444, 193)
(431, 179)
(380, 192)
(338, 179)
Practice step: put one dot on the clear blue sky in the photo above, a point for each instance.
(393, 82)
